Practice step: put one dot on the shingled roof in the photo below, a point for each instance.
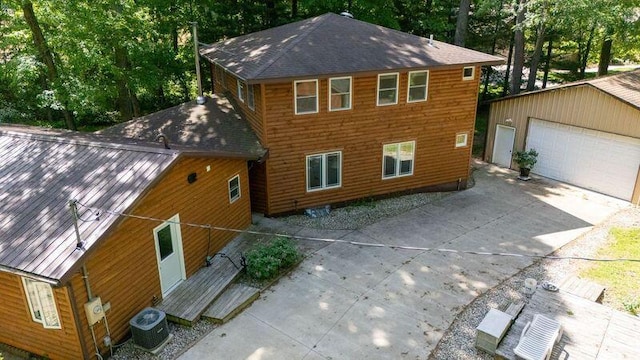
(331, 44)
(623, 86)
(215, 128)
(41, 171)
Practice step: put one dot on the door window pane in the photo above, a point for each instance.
(165, 242)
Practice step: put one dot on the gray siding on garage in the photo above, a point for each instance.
(582, 105)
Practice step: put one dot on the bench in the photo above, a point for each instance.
(538, 337)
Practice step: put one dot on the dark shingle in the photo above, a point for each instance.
(214, 127)
(333, 44)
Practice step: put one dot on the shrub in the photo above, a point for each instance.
(632, 306)
(265, 262)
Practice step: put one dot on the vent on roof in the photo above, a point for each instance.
(431, 40)
(347, 14)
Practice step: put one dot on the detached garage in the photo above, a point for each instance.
(587, 133)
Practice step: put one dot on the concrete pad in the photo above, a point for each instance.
(353, 267)
(375, 330)
(303, 306)
(246, 337)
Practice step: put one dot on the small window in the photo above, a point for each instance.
(41, 303)
(461, 140)
(240, 90)
(418, 81)
(306, 93)
(397, 159)
(251, 102)
(324, 171)
(234, 189)
(340, 93)
(387, 89)
(468, 73)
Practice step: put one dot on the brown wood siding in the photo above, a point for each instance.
(124, 270)
(258, 183)
(360, 134)
(582, 106)
(18, 329)
(228, 85)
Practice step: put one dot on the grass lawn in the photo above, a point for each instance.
(622, 279)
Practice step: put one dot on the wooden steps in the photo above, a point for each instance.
(235, 299)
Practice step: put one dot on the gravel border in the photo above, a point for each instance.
(458, 341)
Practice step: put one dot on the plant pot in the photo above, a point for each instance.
(524, 172)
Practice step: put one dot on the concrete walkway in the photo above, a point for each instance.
(349, 302)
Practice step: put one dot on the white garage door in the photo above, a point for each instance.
(595, 160)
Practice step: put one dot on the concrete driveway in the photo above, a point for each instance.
(350, 302)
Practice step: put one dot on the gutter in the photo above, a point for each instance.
(53, 282)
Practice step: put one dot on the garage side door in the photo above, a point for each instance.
(595, 160)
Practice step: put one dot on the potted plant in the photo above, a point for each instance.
(525, 159)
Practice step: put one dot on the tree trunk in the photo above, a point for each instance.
(587, 50)
(605, 54)
(271, 13)
(125, 103)
(428, 6)
(535, 59)
(294, 9)
(462, 22)
(505, 85)
(45, 54)
(547, 64)
(518, 49)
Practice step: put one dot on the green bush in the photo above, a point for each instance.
(632, 306)
(265, 262)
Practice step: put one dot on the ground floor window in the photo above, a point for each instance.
(234, 188)
(41, 303)
(461, 139)
(324, 171)
(397, 159)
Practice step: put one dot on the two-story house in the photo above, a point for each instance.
(348, 110)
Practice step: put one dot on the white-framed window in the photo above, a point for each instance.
(234, 189)
(397, 159)
(418, 85)
(42, 304)
(340, 93)
(251, 101)
(461, 139)
(388, 89)
(468, 72)
(306, 96)
(324, 171)
(240, 85)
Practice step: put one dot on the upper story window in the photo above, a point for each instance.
(397, 159)
(306, 94)
(461, 139)
(340, 93)
(418, 85)
(42, 305)
(387, 89)
(468, 73)
(240, 90)
(324, 171)
(251, 101)
(234, 188)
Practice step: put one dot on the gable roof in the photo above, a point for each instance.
(331, 44)
(623, 86)
(215, 128)
(41, 171)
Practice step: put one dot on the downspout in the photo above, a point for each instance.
(76, 318)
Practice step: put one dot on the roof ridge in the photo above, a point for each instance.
(86, 142)
(306, 33)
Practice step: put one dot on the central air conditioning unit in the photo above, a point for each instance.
(150, 330)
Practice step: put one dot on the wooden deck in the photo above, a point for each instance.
(591, 330)
(583, 288)
(186, 303)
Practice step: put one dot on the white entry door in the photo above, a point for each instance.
(503, 145)
(168, 243)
